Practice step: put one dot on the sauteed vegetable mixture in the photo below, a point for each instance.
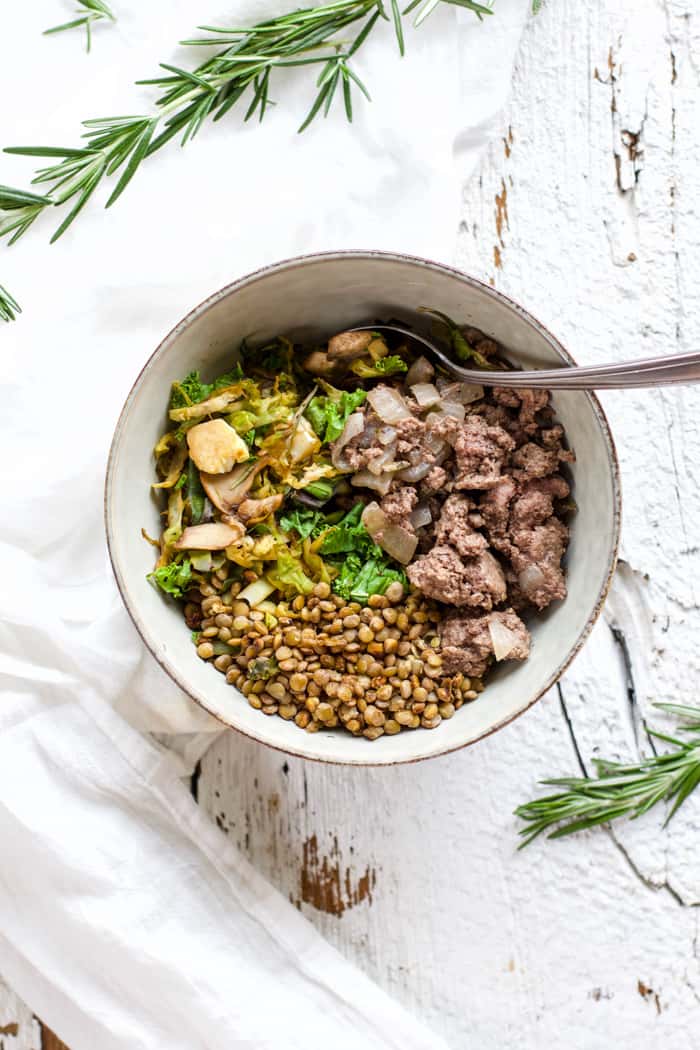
(353, 535)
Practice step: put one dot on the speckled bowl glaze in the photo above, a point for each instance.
(314, 296)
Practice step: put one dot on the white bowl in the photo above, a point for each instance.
(314, 296)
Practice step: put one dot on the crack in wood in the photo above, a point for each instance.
(571, 731)
(644, 879)
(194, 781)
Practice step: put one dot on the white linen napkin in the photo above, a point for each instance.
(125, 917)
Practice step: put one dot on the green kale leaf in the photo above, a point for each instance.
(191, 389)
(328, 413)
(350, 535)
(359, 579)
(303, 520)
(384, 366)
(175, 579)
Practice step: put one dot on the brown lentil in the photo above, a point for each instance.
(372, 670)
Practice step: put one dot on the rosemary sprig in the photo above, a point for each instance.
(308, 38)
(9, 307)
(90, 11)
(620, 790)
(18, 210)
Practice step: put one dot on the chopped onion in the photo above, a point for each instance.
(452, 408)
(365, 479)
(421, 516)
(469, 392)
(504, 640)
(388, 404)
(465, 393)
(354, 425)
(374, 519)
(530, 579)
(415, 473)
(425, 394)
(398, 542)
(379, 464)
(450, 391)
(385, 435)
(434, 443)
(421, 371)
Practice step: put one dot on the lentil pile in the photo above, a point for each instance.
(324, 662)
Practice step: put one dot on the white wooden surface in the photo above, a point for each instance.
(587, 209)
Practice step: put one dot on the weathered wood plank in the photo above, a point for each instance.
(19, 1029)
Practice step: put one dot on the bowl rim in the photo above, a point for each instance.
(298, 261)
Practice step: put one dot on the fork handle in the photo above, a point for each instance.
(653, 372)
(648, 372)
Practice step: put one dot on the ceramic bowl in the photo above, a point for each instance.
(311, 297)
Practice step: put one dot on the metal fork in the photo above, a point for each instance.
(651, 371)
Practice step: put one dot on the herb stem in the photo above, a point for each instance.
(89, 12)
(619, 790)
(243, 64)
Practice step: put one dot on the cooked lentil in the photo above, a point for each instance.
(319, 679)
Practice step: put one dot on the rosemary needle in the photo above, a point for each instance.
(619, 790)
(241, 66)
(9, 307)
(90, 11)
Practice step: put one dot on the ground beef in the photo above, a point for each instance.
(455, 529)
(442, 574)
(495, 510)
(520, 523)
(466, 641)
(542, 548)
(535, 504)
(399, 503)
(493, 487)
(533, 461)
(552, 437)
(480, 449)
(436, 481)
(530, 403)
